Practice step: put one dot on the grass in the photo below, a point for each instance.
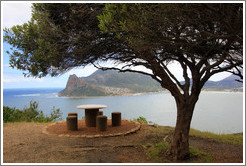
(156, 148)
(198, 156)
(236, 139)
(157, 153)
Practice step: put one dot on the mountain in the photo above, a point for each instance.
(111, 83)
(79, 87)
(227, 84)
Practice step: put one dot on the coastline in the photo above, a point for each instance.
(217, 91)
(147, 93)
(128, 94)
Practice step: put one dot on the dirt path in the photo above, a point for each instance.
(25, 143)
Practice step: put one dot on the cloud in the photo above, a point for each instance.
(82, 71)
(15, 13)
(6, 65)
(17, 78)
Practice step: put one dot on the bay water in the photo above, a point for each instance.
(217, 112)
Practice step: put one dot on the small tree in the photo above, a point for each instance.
(204, 39)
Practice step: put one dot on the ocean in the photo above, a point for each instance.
(217, 112)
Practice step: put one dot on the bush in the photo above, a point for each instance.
(30, 114)
(141, 120)
(12, 115)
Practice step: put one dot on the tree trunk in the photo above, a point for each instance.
(179, 149)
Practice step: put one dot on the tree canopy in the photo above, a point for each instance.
(208, 37)
(58, 38)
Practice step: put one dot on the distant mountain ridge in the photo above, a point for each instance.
(109, 83)
(226, 84)
(112, 83)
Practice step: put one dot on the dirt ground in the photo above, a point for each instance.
(25, 143)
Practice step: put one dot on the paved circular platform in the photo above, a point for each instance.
(60, 129)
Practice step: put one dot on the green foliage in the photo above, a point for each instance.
(12, 114)
(59, 37)
(172, 31)
(29, 114)
(141, 120)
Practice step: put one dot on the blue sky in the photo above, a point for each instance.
(14, 13)
(18, 13)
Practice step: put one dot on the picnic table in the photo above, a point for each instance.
(91, 112)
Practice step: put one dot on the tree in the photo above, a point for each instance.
(204, 39)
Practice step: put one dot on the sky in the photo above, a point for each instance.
(17, 12)
(14, 13)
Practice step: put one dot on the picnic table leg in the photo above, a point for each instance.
(90, 117)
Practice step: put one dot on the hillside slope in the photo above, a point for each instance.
(227, 84)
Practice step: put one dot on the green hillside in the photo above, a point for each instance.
(132, 81)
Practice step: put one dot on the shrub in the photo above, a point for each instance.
(141, 119)
(12, 115)
(30, 114)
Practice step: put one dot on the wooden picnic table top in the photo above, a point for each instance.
(91, 106)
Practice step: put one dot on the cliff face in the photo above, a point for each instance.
(77, 87)
(74, 82)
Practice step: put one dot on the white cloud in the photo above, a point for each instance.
(15, 13)
(83, 71)
(17, 78)
(219, 76)
(6, 65)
